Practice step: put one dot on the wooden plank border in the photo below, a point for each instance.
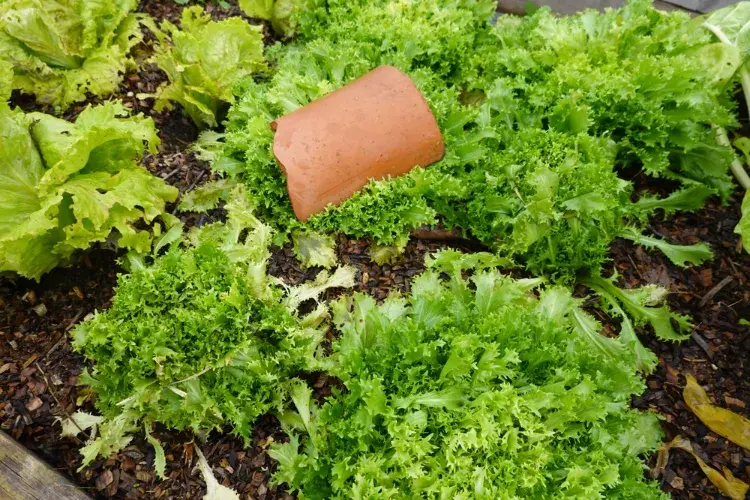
(25, 477)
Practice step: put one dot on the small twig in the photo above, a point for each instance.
(703, 344)
(734, 266)
(62, 408)
(74, 320)
(55, 345)
(64, 335)
(657, 233)
(710, 294)
(634, 266)
(170, 174)
(196, 181)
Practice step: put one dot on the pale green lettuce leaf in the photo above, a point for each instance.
(21, 171)
(204, 60)
(733, 22)
(689, 198)
(679, 254)
(160, 461)
(78, 422)
(646, 306)
(342, 277)
(743, 228)
(206, 196)
(6, 80)
(386, 254)
(62, 50)
(314, 249)
(281, 13)
(590, 330)
(68, 185)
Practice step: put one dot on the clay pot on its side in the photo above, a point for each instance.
(377, 126)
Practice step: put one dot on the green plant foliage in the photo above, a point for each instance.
(65, 186)
(207, 196)
(642, 77)
(203, 60)
(61, 50)
(743, 228)
(646, 306)
(534, 135)
(470, 389)
(281, 13)
(6, 81)
(200, 337)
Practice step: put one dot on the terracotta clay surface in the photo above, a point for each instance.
(377, 126)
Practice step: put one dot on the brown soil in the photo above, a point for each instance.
(39, 371)
(716, 295)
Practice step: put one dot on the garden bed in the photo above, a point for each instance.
(39, 370)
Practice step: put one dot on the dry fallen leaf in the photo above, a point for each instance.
(723, 422)
(662, 458)
(727, 484)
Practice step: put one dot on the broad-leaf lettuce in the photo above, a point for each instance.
(62, 50)
(66, 186)
(203, 60)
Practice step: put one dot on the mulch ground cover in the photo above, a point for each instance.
(39, 371)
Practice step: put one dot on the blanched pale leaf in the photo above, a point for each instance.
(206, 196)
(723, 422)
(731, 24)
(342, 277)
(214, 490)
(62, 50)
(314, 249)
(6, 81)
(113, 436)
(204, 60)
(78, 422)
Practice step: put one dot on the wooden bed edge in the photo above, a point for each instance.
(23, 476)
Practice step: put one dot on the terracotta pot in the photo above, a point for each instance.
(378, 126)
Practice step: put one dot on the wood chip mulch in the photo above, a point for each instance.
(39, 371)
